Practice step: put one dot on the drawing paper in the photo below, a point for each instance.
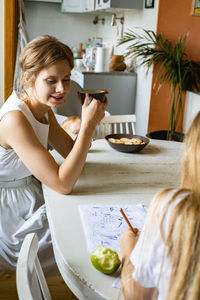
(103, 225)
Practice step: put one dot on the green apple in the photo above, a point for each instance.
(105, 260)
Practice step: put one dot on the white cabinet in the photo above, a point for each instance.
(52, 1)
(97, 5)
(71, 6)
(118, 4)
(102, 4)
(89, 5)
(77, 5)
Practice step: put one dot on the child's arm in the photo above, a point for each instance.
(131, 289)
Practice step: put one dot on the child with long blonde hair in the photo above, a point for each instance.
(164, 262)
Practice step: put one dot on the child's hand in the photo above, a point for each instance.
(128, 240)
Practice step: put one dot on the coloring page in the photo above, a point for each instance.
(103, 225)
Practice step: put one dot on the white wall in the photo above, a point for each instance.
(46, 18)
(1, 51)
(146, 18)
(192, 107)
(71, 28)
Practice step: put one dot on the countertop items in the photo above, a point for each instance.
(102, 59)
(117, 63)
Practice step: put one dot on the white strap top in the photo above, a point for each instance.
(11, 166)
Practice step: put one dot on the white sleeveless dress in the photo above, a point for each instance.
(22, 208)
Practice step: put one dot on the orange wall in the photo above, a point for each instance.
(174, 20)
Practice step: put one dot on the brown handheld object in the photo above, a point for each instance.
(134, 230)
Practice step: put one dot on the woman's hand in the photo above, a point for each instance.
(94, 112)
(128, 240)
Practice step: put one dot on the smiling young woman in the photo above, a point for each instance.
(27, 126)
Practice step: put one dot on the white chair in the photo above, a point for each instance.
(115, 124)
(31, 283)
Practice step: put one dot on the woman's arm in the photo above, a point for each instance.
(131, 289)
(19, 135)
(58, 137)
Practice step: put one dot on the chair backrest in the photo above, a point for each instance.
(31, 283)
(115, 124)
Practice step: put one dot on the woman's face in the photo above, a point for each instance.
(52, 84)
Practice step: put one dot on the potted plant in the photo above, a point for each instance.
(171, 64)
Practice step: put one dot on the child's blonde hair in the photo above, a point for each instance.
(183, 236)
(69, 121)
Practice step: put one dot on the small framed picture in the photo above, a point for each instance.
(196, 8)
(149, 3)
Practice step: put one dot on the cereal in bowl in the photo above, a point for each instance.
(127, 141)
(111, 140)
(124, 140)
(136, 141)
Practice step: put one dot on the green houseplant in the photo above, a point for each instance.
(171, 64)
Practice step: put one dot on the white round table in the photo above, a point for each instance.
(108, 177)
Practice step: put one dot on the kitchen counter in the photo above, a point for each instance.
(118, 73)
(120, 85)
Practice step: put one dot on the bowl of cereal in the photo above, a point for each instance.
(129, 143)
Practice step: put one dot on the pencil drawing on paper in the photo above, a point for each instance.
(103, 225)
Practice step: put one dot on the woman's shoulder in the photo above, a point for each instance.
(13, 112)
(14, 118)
(16, 107)
(12, 103)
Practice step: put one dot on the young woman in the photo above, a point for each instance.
(165, 261)
(27, 126)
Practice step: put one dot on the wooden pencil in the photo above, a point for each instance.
(134, 230)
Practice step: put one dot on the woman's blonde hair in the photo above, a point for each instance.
(42, 52)
(183, 236)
